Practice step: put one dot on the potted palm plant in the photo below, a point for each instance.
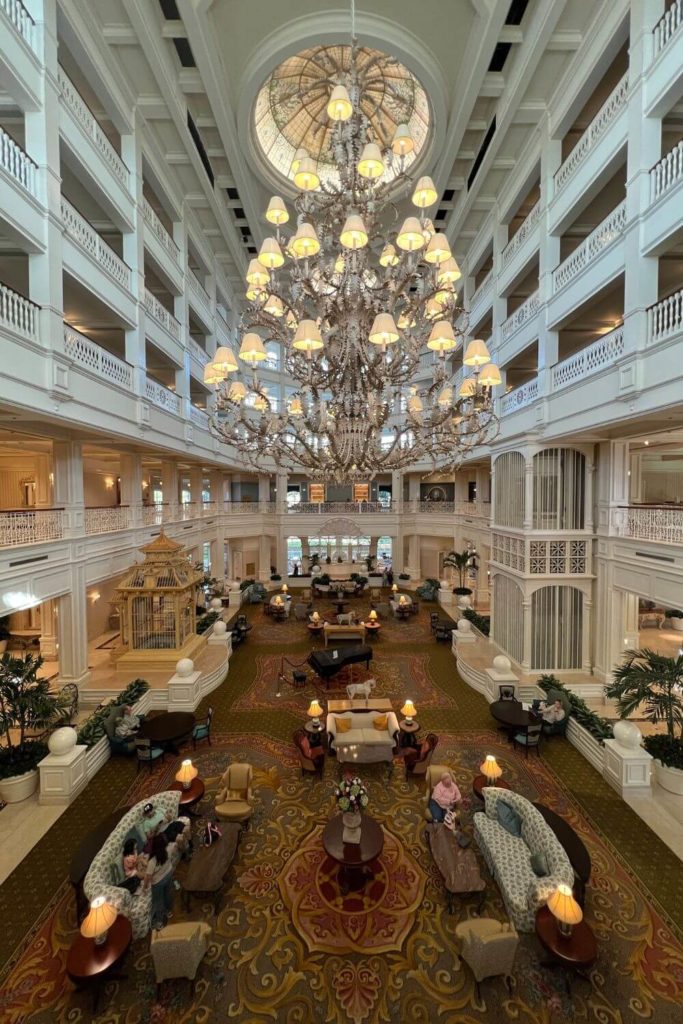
(460, 561)
(26, 706)
(653, 683)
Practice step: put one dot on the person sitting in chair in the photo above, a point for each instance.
(128, 724)
(445, 797)
(552, 713)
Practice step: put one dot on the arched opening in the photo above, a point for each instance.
(508, 616)
(556, 628)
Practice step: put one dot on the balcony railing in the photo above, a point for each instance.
(665, 319)
(90, 125)
(199, 417)
(197, 287)
(107, 520)
(608, 113)
(520, 237)
(657, 523)
(197, 352)
(336, 507)
(249, 507)
(667, 173)
(18, 313)
(19, 17)
(153, 222)
(524, 395)
(158, 312)
(481, 289)
(96, 359)
(600, 239)
(521, 315)
(84, 234)
(603, 352)
(162, 397)
(18, 164)
(667, 26)
(30, 527)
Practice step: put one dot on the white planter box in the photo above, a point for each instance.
(96, 756)
(19, 787)
(670, 779)
(586, 744)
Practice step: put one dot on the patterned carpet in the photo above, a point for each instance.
(288, 947)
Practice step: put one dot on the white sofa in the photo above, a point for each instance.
(369, 744)
(509, 857)
(98, 881)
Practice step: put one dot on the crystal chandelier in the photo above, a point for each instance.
(353, 302)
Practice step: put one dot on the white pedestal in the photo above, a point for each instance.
(445, 596)
(463, 638)
(627, 769)
(62, 776)
(496, 679)
(182, 692)
(222, 640)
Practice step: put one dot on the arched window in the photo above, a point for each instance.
(508, 475)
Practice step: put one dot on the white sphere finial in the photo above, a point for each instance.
(184, 667)
(501, 663)
(464, 626)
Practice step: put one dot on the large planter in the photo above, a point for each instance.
(676, 623)
(19, 787)
(670, 779)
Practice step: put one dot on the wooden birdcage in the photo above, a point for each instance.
(156, 601)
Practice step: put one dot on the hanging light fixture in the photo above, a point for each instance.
(339, 106)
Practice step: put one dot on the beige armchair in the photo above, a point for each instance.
(432, 776)
(235, 799)
(488, 948)
(178, 949)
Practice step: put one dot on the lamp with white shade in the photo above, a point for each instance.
(409, 711)
(98, 920)
(186, 774)
(314, 712)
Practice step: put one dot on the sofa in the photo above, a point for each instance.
(509, 857)
(99, 880)
(369, 745)
(332, 632)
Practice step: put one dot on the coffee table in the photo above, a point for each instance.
(575, 953)
(85, 854)
(354, 859)
(168, 728)
(458, 867)
(189, 797)
(210, 864)
(88, 965)
(480, 781)
(579, 857)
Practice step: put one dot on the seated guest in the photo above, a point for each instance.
(552, 713)
(155, 823)
(128, 724)
(134, 866)
(445, 796)
(160, 877)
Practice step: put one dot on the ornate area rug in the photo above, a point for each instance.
(288, 947)
(414, 629)
(397, 675)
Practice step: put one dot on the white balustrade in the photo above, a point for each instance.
(603, 352)
(30, 526)
(200, 417)
(22, 21)
(657, 524)
(667, 26)
(162, 397)
(153, 222)
(18, 313)
(107, 520)
(197, 352)
(153, 515)
(158, 312)
(667, 173)
(209, 508)
(18, 164)
(197, 287)
(665, 318)
(609, 111)
(84, 234)
(524, 395)
(481, 289)
(349, 507)
(521, 315)
(436, 506)
(601, 238)
(90, 125)
(520, 237)
(96, 359)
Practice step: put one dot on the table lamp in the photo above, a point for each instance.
(278, 601)
(565, 909)
(409, 711)
(315, 617)
(394, 588)
(285, 588)
(373, 616)
(187, 773)
(490, 769)
(314, 712)
(402, 600)
(98, 920)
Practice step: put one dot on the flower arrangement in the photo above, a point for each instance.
(351, 795)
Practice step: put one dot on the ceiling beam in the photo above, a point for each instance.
(173, 30)
(119, 35)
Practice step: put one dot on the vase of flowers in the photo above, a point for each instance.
(352, 797)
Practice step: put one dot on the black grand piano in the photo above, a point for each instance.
(328, 663)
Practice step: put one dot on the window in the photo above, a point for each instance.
(273, 355)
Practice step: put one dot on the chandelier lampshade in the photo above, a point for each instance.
(445, 398)
(371, 164)
(305, 241)
(301, 154)
(212, 375)
(307, 337)
(339, 106)
(468, 388)
(274, 306)
(252, 349)
(490, 376)
(410, 237)
(306, 177)
(438, 249)
(402, 143)
(442, 337)
(389, 257)
(415, 405)
(449, 272)
(476, 353)
(339, 264)
(384, 330)
(354, 234)
(270, 254)
(224, 360)
(295, 407)
(237, 391)
(434, 309)
(257, 274)
(425, 194)
(254, 293)
(277, 212)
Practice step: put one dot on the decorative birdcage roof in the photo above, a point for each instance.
(166, 567)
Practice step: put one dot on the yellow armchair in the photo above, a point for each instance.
(178, 949)
(235, 799)
(488, 947)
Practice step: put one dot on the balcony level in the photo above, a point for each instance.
(663, 76)
(22, 209)
(19, 54)
(664, 216)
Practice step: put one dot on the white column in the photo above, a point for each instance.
(263, 488)
(548, 257)
(134, 255)
(48, 630)
(281, 492)
(413, 565)
(196, 486)
(131, 486)
(181, 312)
(67, 459)
(169, 488)
(526, 653)
(264, 558)
(528, 492)
(73, 632)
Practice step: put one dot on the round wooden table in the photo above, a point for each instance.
(575, 953)
(316, 628)
(372, 628)
(480, 781)
(85, 853)
(340, 605)
(168, 728)
(317, 734)
(189, 797)
(354, 859)
(408, 733)
(88, 965)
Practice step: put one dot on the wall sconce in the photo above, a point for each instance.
(109, 482)
(94, 595)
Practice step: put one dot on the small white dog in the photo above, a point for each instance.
(361, 689)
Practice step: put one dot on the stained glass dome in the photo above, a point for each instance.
(290, 110)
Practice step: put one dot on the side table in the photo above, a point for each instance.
(409, 731)
(317, 736)
(480, 782)
(88, 965)
(574, 953)
(189, 797)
